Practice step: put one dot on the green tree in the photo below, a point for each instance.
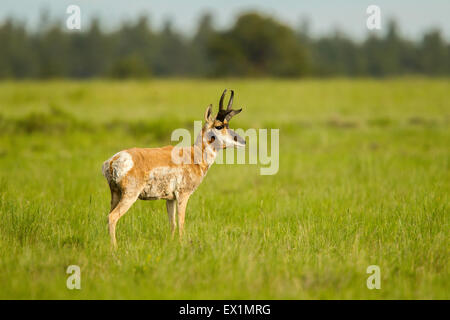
(16, 55)
(172, 57)
(52, 49)
(258, 46)
(90, 52)
(201, 60)
(434, 54)
(134, 46)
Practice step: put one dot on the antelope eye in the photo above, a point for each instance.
(219, 127)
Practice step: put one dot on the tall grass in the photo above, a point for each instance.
(363, 180)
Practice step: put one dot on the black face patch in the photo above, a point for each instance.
(219, 125)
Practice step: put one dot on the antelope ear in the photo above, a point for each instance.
(208, 116)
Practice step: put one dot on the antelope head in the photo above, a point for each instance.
(216, 130)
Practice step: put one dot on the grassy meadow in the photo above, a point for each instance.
(363, 180)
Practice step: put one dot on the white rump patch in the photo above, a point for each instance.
(120, 166)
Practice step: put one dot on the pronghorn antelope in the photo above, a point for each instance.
(151, 173)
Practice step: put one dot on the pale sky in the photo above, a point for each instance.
(413, 16)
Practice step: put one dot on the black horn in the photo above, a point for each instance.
(221, 99)
(230, 103)
(223, 115)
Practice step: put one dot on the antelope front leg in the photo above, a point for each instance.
(171, 211)
(181, 205)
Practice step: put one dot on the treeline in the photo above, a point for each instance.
(254, 46)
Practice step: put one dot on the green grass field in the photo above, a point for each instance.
(363, 180)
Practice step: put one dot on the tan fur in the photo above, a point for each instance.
(153, 176)
(150, 174)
